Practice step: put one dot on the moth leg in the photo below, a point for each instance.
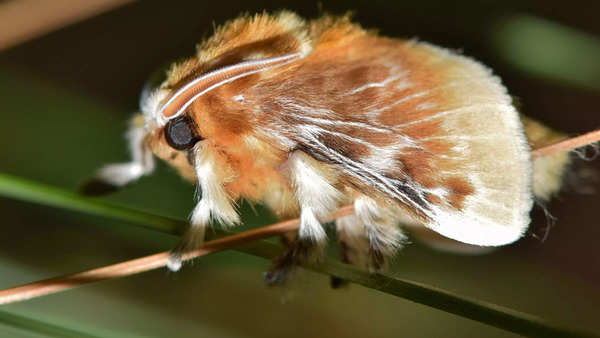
(214, 205)
(353, 244)
(382, 231)
(296, 252)
(114, 176)
(368, 238)
(314, 190)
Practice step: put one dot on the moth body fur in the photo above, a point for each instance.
(306, 116)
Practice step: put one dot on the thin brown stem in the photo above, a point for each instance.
(27, 19)
(58, 284)
(155, 261)
(568, 144)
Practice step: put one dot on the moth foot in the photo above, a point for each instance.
(192, 239)
(377, 259)
(174, 261)
(277, 276)
(338, 283)
(298, 251)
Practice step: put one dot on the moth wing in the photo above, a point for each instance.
(432, 130)
(486, 185)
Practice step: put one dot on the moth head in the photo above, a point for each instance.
(173, 139)
(205, 99)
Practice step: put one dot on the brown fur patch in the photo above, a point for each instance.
(191, 69)
(418, 166)
(345, 147)
(404, 112)
(459, 189)
(427, 181)
(334, 29)
(458, 186)
(219, 117)
(431, 198)
(378, 139)
(422, 130)
(249, 29)
(437, 147)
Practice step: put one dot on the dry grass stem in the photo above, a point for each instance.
(568, 144)
(58, 284)
(26, 19)
(127, 268)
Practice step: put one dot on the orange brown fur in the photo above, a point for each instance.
(358, 56)
(306, 116)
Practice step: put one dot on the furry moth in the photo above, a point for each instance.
(306, 116)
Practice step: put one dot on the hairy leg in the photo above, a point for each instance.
(214, 204)
(314, 190)
(383, 234)
(369, 237)
(353, 244)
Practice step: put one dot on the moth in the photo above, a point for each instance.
(307, 116)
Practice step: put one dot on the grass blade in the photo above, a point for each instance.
(548, 50)
(40, 327)
(484, 312)
(34, 192)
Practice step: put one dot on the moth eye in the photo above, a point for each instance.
(180, 133)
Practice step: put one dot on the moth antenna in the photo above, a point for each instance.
(180, 99)
(115, 176)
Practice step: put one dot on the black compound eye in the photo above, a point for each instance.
(180, 133)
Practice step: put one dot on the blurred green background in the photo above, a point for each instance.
(65, 99)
